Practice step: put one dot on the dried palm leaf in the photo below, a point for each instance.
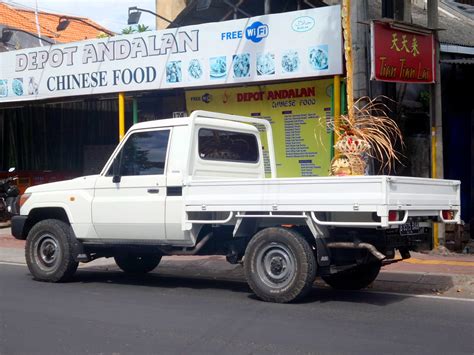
(372, 125)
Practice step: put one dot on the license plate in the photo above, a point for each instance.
(410, 228)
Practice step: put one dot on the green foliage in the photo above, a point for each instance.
(424, 98)
(143, 28)
(103, 35)
(135, 29)
(128, 30)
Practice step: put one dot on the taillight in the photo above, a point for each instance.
(393, 216)
(448, 215)
(24, 198)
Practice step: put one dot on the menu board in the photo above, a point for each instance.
(299, 115)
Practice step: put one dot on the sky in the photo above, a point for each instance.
(111, 14)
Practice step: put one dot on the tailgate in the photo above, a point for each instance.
(424, 197)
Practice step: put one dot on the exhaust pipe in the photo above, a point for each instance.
(354, 245)
(194, 250)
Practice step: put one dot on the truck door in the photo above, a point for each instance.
(129, 199)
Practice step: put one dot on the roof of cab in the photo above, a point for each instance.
(168, 122)
(184, 121)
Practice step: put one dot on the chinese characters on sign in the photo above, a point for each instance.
(401, 55)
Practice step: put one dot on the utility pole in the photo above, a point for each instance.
(359, 28)
(437, 168)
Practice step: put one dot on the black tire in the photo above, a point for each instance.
(279, 265)
(49, 251)
(137, 264)
(356, 278)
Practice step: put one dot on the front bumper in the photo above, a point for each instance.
(18, 223)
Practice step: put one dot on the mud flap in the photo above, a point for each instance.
(323, 255)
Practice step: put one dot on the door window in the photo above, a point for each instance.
(144, 153)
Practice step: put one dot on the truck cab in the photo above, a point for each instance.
(144, 178)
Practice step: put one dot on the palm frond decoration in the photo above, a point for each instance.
(370, 131)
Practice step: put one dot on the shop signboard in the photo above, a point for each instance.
(299, 44)
(298, 112)
(401, 53)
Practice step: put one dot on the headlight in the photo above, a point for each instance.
(24, 198)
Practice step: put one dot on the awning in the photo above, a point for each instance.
(460, 61)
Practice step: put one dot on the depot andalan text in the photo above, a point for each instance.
(276, 94)
(109, 50)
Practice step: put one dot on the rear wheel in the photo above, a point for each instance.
(49, 251)
(279, 265)
(137, 264)
(356, 278)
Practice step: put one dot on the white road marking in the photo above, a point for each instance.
(420, 296)
(12, 263)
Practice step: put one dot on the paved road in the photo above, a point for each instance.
(109, 312)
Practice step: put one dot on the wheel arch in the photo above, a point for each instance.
(41, 213)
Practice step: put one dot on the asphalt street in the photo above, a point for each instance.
(110, 312)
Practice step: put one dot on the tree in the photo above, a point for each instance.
(128, 30)
(134, 29)
(143, 28)
(103, 35)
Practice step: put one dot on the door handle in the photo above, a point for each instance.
(153, 191)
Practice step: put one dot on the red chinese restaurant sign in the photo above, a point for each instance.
(400, 55)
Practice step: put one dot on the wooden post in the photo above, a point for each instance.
(346, 25)
(436, 116)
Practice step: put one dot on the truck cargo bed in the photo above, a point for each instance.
(380, 194)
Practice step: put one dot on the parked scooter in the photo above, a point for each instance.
(9, 196)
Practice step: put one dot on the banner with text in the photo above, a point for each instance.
(304, 43)
(298, 113)
(402, 55)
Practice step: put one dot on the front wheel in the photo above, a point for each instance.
(49, 251)
(356, 278)
(137, 264)
(279, 265)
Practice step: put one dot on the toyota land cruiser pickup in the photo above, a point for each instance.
(197, 186)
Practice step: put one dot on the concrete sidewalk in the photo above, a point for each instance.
(423, 274)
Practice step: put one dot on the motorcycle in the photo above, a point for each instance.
(9, 198)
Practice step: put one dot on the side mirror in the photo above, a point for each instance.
(11, 170)
(116, 179)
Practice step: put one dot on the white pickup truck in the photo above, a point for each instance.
(197, 186)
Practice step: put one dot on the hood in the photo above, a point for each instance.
(80, 183)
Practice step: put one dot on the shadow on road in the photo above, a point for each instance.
(319, 294)
(158, 280)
